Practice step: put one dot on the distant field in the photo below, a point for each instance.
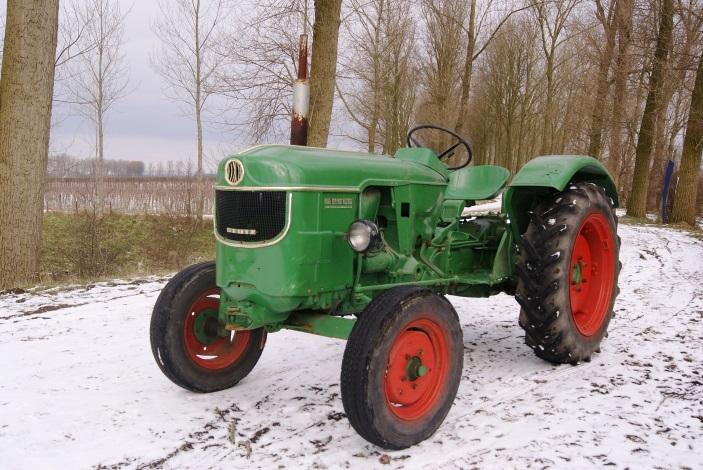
(174, 195)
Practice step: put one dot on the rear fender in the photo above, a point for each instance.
(544, 176)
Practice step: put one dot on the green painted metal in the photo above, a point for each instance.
(576, 274)
(199, 326)
(425, 157)
(556, 171)
(544, 176)
(309, 278)
(414, 368)
(320, 324)
(474, 183)
(309, 167)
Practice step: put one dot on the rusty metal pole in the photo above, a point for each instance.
(301, 97)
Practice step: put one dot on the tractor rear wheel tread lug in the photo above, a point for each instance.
(543, 293)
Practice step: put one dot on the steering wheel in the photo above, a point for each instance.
(412, 142)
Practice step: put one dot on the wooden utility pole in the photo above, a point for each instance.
(26, 91)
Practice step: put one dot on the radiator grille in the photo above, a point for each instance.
(250, 216)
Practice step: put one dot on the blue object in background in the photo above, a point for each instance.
(667, 184)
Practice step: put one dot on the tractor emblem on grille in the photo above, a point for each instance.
(234, 171)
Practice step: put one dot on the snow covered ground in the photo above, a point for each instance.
(79, 387)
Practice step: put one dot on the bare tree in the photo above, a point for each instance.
(607, 18)
(552, 18)
(637, 203)
(98, 76)
(620, 100)
(507, 97)
(379, 94)
(323, 69)
(74, 21)
(442, 64)
(75, 16)
(479, 17)
(191, 33)
(685, 198)
(26, 90)
(261, 63)
(675, 94)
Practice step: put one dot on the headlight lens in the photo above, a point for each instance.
(363, 236)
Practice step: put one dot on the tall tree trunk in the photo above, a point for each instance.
(99, 131)
(684, 209)
(637, 203)
(659, 155)
(620, 98)
(376, 81)
(468, 71)
(26, 90)
(674, 79)
(603, 85)
(547, 137)
(198, 115)
(100, 154)
(323, 69)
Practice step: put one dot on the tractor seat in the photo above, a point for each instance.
(474, 183)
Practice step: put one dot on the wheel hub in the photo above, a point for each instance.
(204, 341)
(416, 370)
(205, 326)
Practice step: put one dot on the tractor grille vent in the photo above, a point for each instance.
(250, 216)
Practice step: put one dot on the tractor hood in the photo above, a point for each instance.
(284, 166)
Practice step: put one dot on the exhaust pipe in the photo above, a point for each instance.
(301, 97)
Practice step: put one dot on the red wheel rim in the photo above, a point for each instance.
(204, 347)
(417, 369)
(591, 273)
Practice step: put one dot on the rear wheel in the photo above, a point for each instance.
(189, 344)
(402, 367)
(568, 273)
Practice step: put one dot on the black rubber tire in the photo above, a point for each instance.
(167, 342)
(365, 361)
(542, 271)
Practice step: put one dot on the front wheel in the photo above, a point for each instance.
(402, 367)
(189, 344)
(567, 274)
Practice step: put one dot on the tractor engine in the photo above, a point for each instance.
(300, 228)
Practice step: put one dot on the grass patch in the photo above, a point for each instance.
(695, 232)
(88, 247)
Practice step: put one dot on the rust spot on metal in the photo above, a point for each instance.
(303, 57)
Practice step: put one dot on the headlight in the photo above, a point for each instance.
(363, 236)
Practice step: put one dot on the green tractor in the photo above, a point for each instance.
(364, 248)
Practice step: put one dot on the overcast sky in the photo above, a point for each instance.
(145, 124)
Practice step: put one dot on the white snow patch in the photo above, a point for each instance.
(80, 387)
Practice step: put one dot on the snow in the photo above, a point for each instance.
(492, 206)
(80, 388)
